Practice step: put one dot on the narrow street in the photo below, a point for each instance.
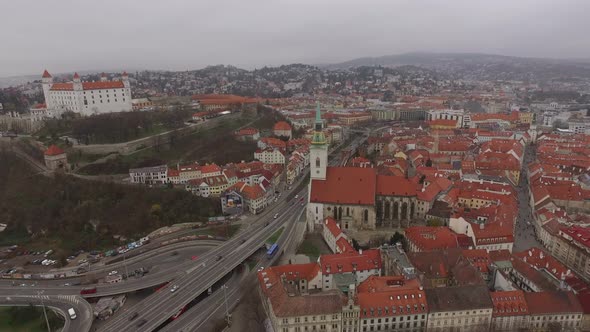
(524, 237)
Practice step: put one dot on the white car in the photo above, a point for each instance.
(173, 289)
(296, 196)
(276, 216)
(72, 313)
(112, 273)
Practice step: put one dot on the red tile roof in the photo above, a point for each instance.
(345, 185)
(351, 261)
(395, 186)
(274, 142)
(443, 122)
(281, 125)
(212, 168)
(247, 131)
(345, 246)
(509, 303)
(248, 191)
(428, 238)
(331, 225)
(580, 235)
(552, 302)
(478, 258)
(54, 151)
(46, 74)
(391, 296)
(88, 86)
(293, 272)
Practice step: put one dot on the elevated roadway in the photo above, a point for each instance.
(157, 308)
(60, 304)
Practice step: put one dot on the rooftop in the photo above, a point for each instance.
(458, 298)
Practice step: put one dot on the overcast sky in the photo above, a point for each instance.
(77, 35)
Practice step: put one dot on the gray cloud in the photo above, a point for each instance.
(69, 35)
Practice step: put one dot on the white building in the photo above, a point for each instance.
(87, 98)
(449, 114)
(270, 156)
(149, 175)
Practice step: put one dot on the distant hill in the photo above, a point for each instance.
(432, 59)
(6, 82)
(479, 66)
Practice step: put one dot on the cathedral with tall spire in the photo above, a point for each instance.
(318, 151)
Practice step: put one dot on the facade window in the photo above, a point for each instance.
(317, 162)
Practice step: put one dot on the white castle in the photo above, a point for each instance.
(87, 98)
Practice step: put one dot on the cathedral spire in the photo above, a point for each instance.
(318, 114)
(318, 134)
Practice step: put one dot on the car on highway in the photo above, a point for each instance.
(276, 216)
(72, 313)
(132, 317)
(141, 322)
(218, 258)
(296, 196)
(173, 289)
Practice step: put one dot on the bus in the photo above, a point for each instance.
(273, 249)
(88, 291)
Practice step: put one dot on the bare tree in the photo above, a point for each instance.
(254, 314)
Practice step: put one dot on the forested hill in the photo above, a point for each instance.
(83, 214)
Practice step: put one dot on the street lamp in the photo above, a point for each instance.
(227, 315)
(39, 293)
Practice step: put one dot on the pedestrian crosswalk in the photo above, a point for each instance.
(66, 298)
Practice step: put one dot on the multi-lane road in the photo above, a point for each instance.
(164, 268)
(211, 267)
(205, 313)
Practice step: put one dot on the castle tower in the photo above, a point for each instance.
(77, 82)
(103, 77)
(318, 152)
(125, 79)
(46, 82)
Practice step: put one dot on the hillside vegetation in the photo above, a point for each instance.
(113, 127)
(202, 145)
(72, 213)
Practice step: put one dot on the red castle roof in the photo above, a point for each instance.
(54, 151)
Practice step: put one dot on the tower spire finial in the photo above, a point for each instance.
(318, 113)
